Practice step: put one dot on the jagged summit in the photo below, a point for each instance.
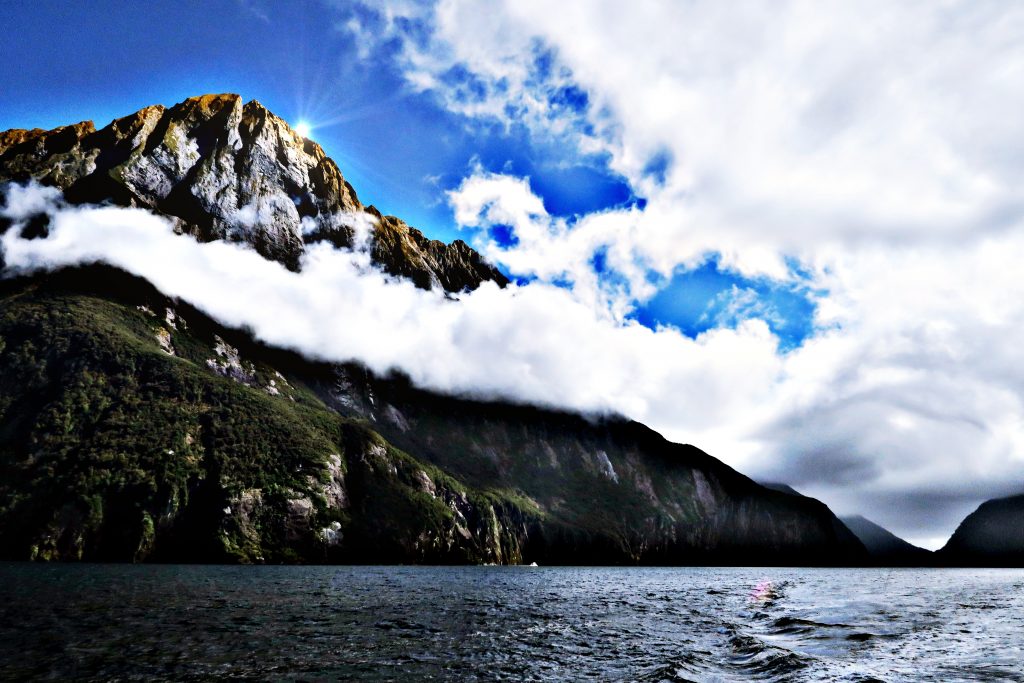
(227, 169)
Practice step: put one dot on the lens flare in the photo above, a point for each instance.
(303, 129)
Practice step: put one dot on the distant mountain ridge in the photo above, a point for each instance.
(883, 546)
(224, 169)
(886, 547)
(781, 488)
(991, 536)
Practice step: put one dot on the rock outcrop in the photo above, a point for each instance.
(224, 169)
(992, 535)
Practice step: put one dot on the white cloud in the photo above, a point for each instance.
(785, 127)
(875, 143)
(21, 202)
(546, 247)
(537, 343)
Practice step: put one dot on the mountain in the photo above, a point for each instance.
(131, 428)
(135, 428)
(992, 535)
(885, 547)
(222, 169)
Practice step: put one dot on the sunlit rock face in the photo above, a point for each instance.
(224, 169)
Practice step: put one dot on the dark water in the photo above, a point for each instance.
(475, 623)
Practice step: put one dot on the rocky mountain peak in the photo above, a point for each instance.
(222, 168)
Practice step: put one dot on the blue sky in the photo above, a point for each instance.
(699, 299)
(399, 148)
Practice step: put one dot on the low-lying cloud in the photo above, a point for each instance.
(535, 343)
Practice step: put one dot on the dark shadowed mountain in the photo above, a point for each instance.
(992, 535)
(133, 427)
(885, 547)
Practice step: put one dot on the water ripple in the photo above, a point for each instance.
(134, 623)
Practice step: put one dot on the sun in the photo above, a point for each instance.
(303, 129)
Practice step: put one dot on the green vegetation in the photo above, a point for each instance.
(111, 448)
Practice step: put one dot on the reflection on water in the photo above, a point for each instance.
(474, 623)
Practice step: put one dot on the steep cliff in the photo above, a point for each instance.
(224, 169)
(618, 484)
(992, 535)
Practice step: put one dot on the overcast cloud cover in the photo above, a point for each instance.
(872, 153)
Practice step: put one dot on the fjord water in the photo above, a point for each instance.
(483, 623)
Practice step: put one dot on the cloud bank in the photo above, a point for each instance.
(535, 343)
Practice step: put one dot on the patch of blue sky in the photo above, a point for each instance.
(522, 280)
(709, 296)
(658, 166)
(570, 97)
(599, 261)
(543, 61)
(580, 189)
(464, 85)
(503, 235)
